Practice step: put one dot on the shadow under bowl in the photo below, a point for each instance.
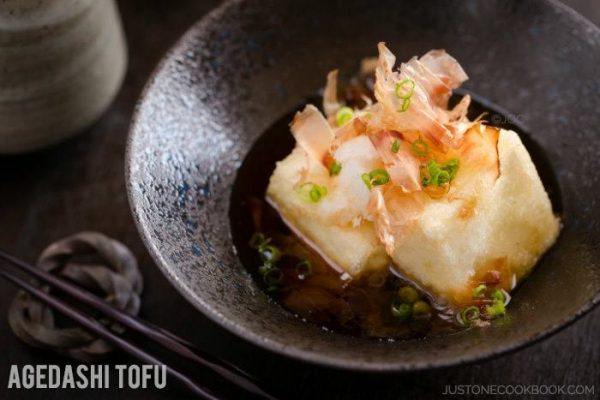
(248, 63)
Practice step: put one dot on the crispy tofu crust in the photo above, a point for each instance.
(350, 249)
(506, 226)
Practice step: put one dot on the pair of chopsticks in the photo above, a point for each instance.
(156, 334)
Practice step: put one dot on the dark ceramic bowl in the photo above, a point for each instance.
(248, 63)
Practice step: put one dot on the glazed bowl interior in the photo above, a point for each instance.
(249, 62)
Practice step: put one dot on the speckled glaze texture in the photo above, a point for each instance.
(249, 62)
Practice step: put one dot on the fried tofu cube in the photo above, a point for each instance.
(335, 226)
(504, 228)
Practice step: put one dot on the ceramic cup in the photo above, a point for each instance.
(61, 64)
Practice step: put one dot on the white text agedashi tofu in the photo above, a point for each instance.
(409, 184)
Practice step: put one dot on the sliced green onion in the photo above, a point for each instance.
(443, 178)
(497, 295)
(273, 276)
(377, 280)
(433, 170)
(420, 148)
(440, 174)
(258, 240)
(317, 192)
(405, 105)
(469, 315)
(304, 269)
(451, 166)
(402, 311)
(405, 89)
(343, 115)
(312, 192)
(408, 294)
(269, 254)
(367, 180)
(479, 290)
(263, 269)
(377, 177)
(421, 308)
(335, 168)
(395, 146)
(496, 309)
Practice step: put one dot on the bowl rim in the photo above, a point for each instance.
(277, 347)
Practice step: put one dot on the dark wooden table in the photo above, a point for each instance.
(79, 185)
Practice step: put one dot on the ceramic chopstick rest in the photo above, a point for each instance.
(95, 262)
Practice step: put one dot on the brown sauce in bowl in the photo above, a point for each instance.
(323, 296)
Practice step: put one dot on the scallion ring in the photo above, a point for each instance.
(405, 105)
(269, 254)
(263, 269)
(469, 314)
(405, 89)
(497, 309)
(258, 240)
(402, 311)
(479, 290)
(343, 115)
(451, 166)
(367, 180)
(421, 308)
(497, 295)
(317, 192)
(420, 148)
(304, 269)
(395, 146)
(439, 174)
(273, 277)
(443, 178)
(312, 192)
(335, 168)
(379, 177)
(408, 294)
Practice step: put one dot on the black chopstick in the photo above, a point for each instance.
(104, 333)
(159, 335)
